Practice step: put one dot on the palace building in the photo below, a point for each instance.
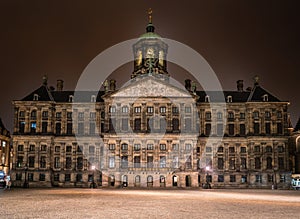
(151, 133)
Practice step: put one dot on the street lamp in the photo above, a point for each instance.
(26, 184)
(207, 185)
(93, 180)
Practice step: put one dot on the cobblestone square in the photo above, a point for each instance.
(126, 203)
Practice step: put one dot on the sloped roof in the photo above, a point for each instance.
(257, 95)
(220, 96)
(43, 93)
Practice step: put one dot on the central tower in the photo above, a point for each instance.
(150, 53)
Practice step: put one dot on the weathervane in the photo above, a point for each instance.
(150, 15)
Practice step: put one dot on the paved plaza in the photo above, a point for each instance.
(127, 203)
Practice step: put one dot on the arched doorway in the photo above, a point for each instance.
(150, 181)
(137, 181)
(188, 181)
(162, 181)
(111, 180)
(125, 181)
(175, 181)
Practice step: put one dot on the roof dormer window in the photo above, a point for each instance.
(71, 97)
(35, 97)
(93, 98)
(265, 98)
(229, 99)
(207, 100)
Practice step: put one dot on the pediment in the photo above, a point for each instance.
(151, 87)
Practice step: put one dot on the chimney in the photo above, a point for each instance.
(240, 85)
(112, 85)
(60, 85)
(188, 84)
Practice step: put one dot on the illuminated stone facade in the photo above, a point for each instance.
(151, 133)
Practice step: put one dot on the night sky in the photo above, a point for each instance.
(239, 39)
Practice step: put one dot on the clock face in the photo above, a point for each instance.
(150, 53)
(161, 57)
(139, 57)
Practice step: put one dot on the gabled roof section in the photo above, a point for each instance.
(150, 86)
(42, 92)
(257, 94)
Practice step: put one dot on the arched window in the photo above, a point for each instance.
(137, 179)
(33, 114)
(255, 114)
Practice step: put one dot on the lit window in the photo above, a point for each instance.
(137, 109)
(149, 109)
(188, 109)
(162, 109)
(149, 147)
(137, 147)
(111, 146)
(229, 99)
(162, 147)
(35, 97)
(112, 109)
(93, 98)
(111, 162)
(124, 109)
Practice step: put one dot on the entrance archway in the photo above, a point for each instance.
(188, 181)
(175, 181)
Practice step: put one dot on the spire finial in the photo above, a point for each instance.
(150, 15)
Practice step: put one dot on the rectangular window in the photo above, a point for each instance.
(232, 178)
(31, 161)
(33, 127)
(124, 147)
(43, 147)
(57, 149)
(150, 109)
(20, 147)
(149, 161)
(79, 177)
(207, 129)
(242, 116)
(20, 161)
(282, 178)
(188, 109)
(58, 128)
(256, 128)
(188, 147)
(22, 127)
(111, 162)
(268, 128)
(220, 178)
(231, 150)
(56, 162)
(69, 128)
(30, 177)
(220, 149)
(162, 161)
(111, 147)
(280, 149)
(244, 179)
(175, 110)
(79, 163)
(80, 128)
(137, 161)
(124, 162)
(231, 129)
(163, 147)
(91, 149)
(92, 115)
(175, 162)
(92, 128)
(150, 147)
(257, 163)
(279, 128)
(244, 163)
(69, 115)
(58, 115)
(162, 109)
(125, 124)
(220, 129)
(67, 177)
(136, 147)
(69, 149)
(242, 129)
(137, 109)
(280, 163)
(175, 147)
(44, 127)
(232, 163)
(220, 163)
(42, 177)
(137, 124)
(112, 109)
(208, 149)
(32, 147)
(258, 178)
(43, 162)
(68, 162)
